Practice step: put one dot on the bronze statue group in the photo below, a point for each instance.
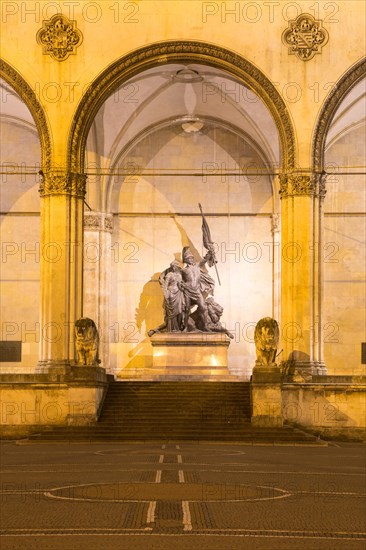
(189, 286)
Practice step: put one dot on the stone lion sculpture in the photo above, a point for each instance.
(215, 312)
(86, 342)
(266, 336)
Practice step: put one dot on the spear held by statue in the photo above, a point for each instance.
(208, 243)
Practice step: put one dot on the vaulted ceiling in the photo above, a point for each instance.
(187, 98)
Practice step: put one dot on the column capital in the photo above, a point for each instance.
(62, 182)
(306, 183)
(98, 221)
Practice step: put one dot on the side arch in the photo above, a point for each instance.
(330, 106)
(182, 52)
(23, 89)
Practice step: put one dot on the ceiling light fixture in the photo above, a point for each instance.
(190, 124)
(187, 75)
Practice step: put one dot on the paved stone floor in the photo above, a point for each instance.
(182, 495)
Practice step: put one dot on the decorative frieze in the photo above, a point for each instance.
(59, 37)
(302, 184)
(320, 187)
(275, 223)
(62, 183)
(98, 221)
(305, 37)
(108, 223)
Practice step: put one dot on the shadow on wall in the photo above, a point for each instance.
(150, 308)
(290, 366)
(299, 356)
(328, 408)
(150, 312)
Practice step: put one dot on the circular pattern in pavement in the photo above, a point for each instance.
(192, 492)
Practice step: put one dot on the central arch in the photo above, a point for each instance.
(184, 52)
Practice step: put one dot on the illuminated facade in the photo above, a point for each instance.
(137, 111)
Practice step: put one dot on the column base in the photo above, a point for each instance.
(319, 369)
(299, 371)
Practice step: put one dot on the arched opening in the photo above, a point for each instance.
(339, 149)
(340, 90)
(160, 142)
(28, 96)
(179, 52)
(25, 149)
(344, 235)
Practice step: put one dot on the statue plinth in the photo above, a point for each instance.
(266, 374)
(266, 390)
(201, 355)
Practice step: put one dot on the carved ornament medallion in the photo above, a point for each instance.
(59, 37)
(305, 37)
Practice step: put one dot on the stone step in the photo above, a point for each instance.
(176, 410)
(243, 435)
(254, 437)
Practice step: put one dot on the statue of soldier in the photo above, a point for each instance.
(196, 285)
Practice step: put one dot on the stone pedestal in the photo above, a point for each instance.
(266, 396)
(190, 355)
(58, 396)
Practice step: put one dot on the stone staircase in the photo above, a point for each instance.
(216, 411)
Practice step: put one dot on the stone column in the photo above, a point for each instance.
(276, 266)
(319, 365)
(62, 195)
(98, 227)
(302, 196)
